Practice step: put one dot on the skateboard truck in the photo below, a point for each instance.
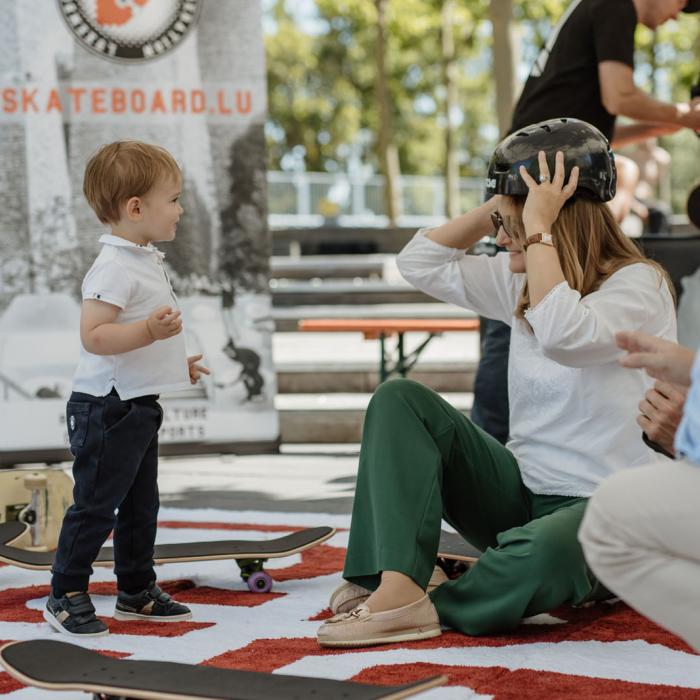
(252, 572)
(30, 514)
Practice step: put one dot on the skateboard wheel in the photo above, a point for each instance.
(260, 582)
(27, 516)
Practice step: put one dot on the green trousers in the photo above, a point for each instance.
(421, 461)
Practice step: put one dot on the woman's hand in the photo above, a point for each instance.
(545, 200)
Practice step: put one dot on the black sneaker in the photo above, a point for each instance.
(151, 604)
(74, 614)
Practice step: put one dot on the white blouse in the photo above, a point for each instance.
(573, 409)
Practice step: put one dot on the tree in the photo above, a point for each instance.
(323, 85)
(388, 155)
(504, 51)
(449, 78)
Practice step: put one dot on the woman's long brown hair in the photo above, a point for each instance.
(591, 247)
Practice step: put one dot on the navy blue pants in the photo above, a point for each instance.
(490, 409)
(115, 444)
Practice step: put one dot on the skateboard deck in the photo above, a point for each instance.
(693, 205)
(455, 554)
(61, 666)
(249, 554)
(39, 498)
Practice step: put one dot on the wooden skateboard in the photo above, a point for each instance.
(455, 554)
(61, 666)
(693, 205)
(38, 498)
(250, 555)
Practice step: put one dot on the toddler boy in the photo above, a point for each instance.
(132, 350)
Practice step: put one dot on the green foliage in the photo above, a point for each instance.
(322, 84)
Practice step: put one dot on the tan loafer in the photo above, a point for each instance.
(349, 595)
(362, 628)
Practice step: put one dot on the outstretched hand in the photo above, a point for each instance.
(661, 358)
(545, 200)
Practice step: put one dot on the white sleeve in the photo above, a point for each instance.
(580, 332)
(481, 283)
(107, 281)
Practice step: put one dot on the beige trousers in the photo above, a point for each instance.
(641, 537)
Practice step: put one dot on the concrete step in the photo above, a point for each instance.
(359, 291)
(334, 418)
(326, 379)
(346, 362)
(332, 266)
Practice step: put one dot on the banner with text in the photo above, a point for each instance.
(188, 75)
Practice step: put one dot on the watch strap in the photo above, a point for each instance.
(541, 237)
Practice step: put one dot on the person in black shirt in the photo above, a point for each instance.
(585, 71)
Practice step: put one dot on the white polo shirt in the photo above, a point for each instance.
(133, 278)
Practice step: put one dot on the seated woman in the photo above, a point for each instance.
(569, 281)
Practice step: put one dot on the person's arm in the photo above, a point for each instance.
(621, 97)
(101, 335)
(542, 207)
(435, 262)
(626, 134)
(466, 230)
(578, 331)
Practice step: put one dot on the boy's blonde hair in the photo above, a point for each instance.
(124, 169)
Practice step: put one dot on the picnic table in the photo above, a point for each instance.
(383, 328)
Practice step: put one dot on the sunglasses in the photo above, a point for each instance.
(499, 223)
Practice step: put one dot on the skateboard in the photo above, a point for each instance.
(693, 205)
(455, 554)
(61, 666)
(250, 555)
(38, 498)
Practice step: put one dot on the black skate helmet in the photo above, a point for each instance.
(582, 144)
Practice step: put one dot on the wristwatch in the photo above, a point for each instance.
(542, 237)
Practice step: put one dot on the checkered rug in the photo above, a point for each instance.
(607, 651)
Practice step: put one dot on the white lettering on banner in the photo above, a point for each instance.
(541, 62)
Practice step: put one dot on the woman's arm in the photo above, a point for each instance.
(468, 229)
(435, 262)
(581, 332)
(542, 207)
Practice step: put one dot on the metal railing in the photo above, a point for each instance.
(312, 199)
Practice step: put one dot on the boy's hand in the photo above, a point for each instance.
(196, 371)
(164, 323)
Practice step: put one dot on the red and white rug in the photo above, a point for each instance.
(607, 651)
